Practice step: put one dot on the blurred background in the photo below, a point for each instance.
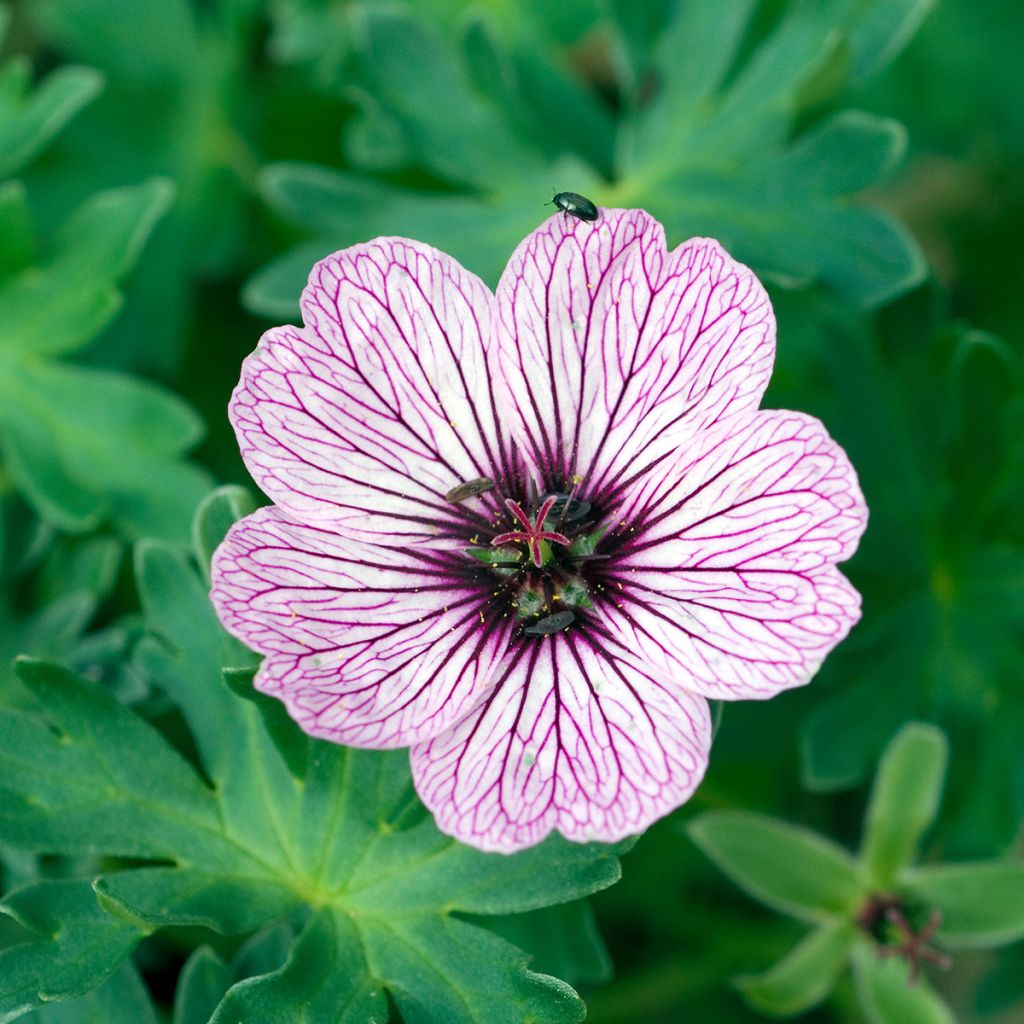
(170, 169)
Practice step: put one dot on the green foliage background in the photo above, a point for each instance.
(169, 170)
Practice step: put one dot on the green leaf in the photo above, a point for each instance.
(28, 121)
(73, 446)
(216, 512)
(805, 976)
(206, 978)
(17, 232)
(345, 208)
(291, 744)
(406, 66)
(89, 446)
(982, 904)
(179, 88)
(325, 979)
(883, 31)
(203, 981)
(122, 999)
(712, 136)
(562, 940)
(87, 775)
(943, 633)
(72, 946)
(887, 997)
(904, 801)
(57, 307)
(788, 868)
(786, 213)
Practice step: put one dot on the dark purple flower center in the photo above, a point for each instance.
(539, 563)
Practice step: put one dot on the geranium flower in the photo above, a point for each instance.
(530, 534)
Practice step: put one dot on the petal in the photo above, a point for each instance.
(616, 351)
(365, 645)
(365, 417)
(722, 566)
(575, 737)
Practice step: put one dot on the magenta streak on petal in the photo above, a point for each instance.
(724, 569)
(575, 737)
(661, 345)
(367, 416)
(364, 646)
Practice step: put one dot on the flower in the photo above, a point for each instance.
(529, 534)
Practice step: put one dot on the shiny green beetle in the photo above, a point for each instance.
(572, 203)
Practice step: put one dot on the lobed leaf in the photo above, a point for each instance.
(201, 985)
(73, 946)
(338, 836)
(122, 999)
(941, 575)
(58, 306)
(704, 139)
(70, 435)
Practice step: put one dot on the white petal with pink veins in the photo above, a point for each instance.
(369, 414)
(364, 644)
(724, 570)
(575, 738)
(616, 350)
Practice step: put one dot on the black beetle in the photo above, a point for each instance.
(572, 203)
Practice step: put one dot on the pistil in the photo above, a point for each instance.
(533, 532)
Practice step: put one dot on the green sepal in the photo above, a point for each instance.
(496, 557)
(982, 903)
(904, 801)
(788, 868)
(886, 995)
(805, 976)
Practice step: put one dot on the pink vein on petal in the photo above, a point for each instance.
(726, 559)
(573, 737)
(616, 351)
(365, 645)
(365, 417)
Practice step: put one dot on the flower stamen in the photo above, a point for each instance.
(533, 532)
